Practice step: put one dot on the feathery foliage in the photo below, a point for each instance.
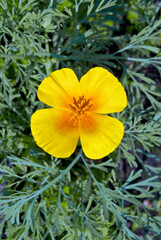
(43, 197)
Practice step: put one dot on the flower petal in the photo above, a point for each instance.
(100, 135)
(59, 88)
(107, 93)
(54, 132)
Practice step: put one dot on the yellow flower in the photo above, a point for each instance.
(78, 110)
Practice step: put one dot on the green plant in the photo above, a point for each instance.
(47, 198)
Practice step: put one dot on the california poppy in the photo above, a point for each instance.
(78, 111)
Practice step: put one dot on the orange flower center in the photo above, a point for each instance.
(80, 106)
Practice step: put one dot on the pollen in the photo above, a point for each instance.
(80, 106)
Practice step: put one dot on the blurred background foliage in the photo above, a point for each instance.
(118, 197)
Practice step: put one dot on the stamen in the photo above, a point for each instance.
(80, 106)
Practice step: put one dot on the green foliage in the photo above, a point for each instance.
(47, 198)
